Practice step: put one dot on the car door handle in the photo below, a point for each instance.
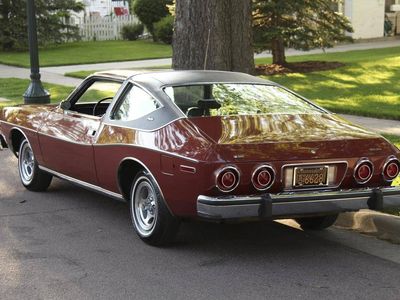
(91, 132)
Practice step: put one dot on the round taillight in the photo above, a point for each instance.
(227, 179)
(363, 171)
(263, 177)
(391, 169)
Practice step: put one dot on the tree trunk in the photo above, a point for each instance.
(213, 35)
(278, 52)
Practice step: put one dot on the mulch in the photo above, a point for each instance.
(298, 67)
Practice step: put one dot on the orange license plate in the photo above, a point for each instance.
(310, 176)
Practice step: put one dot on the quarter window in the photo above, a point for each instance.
(135, 103)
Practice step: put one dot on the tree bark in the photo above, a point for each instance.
(278, 52)
(213, 35)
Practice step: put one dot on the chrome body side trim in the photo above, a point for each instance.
(83, 183)
(18, 126)
(15, 151)
(152, 149)
(121, 145)
(151, 174)
(286, 205)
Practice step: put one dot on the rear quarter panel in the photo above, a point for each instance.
(26, 119)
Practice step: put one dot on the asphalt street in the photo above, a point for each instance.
(70, 243)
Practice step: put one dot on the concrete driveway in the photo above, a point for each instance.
(69, 243)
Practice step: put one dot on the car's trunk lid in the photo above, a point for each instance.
(294, 137)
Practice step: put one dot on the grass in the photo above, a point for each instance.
(13, 88)
(367, 85)
(90, 52)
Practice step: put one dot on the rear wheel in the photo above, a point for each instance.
(151, 218)
(31, 176)
(317, 223)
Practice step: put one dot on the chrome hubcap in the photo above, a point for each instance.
(145, 207)
(26, 163)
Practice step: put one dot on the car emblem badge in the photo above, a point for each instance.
(313, 151)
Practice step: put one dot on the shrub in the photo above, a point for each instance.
(150, 12)
(132, 32)
(163, 29)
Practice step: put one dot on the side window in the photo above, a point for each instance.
(99, 90)
(135, 104)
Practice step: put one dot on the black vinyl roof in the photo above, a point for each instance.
(176, 78)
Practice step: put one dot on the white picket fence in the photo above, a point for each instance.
(107, 28)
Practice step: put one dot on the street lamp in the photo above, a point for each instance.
(35, 92)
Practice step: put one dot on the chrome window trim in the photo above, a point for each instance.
(220, 170)
(82, 183)
(273, 84)
(127, 88)
(313, 164)
(257, 169)
(361, 161)
(390, 159)
(143, 130)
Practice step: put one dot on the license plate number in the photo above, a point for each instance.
(310, 176)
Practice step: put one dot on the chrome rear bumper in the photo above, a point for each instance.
(285, 205)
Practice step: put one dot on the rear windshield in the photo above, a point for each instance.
(227, 99)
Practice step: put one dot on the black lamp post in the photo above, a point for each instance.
(35, 92)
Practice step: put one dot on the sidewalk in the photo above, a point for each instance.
(382, 126)
(56, 74)
(167, 61)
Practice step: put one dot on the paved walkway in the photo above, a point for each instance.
(382, 126)
(24, 73)
(167, 61)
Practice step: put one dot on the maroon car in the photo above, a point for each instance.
(202, 144)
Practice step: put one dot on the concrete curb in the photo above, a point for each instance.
(380, 225)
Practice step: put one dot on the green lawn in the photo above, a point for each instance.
(368, 85)
(90, 52)
(13, 88)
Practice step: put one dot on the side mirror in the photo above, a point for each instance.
(65, 105)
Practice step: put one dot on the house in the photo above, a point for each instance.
(104, 8)
(368, 16)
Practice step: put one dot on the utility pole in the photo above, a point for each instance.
(35, 92)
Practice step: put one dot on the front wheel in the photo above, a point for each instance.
(151, 218)
(317, 223)
(31, 176)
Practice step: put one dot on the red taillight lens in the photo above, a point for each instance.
(228, 179)
(263, 177)
(391, 169)
(363, 171)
